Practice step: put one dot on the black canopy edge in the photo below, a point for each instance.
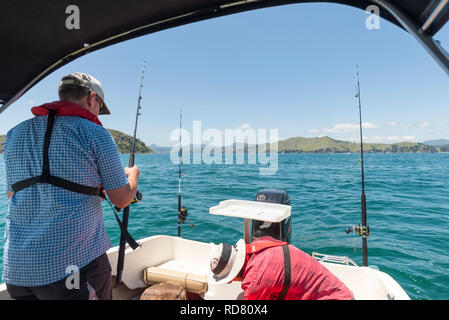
(440, 20)
(227, 8)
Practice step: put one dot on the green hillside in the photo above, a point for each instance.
(329, 145)
(123, 141)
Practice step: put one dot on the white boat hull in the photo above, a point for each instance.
(192, 257)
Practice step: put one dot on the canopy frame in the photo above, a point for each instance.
(435, 15)
(432, 46)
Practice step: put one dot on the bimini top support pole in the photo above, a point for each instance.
(434, 15)
(433, 47)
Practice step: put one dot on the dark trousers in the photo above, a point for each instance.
(94, 282)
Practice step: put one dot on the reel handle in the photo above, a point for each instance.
(358, 229)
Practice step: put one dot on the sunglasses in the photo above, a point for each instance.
(99, 101)
(101, 104)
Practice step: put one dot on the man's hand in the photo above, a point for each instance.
(133, 171)
(133, 177)
(9, 194)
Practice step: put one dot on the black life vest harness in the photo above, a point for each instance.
(46, 177)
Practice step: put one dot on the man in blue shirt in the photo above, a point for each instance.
(57, 163)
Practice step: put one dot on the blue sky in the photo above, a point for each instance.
(289, 68)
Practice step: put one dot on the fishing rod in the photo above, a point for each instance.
(182, 211)
(137, 197)
(362, 230)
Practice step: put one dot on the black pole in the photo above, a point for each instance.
(179, 215)
(122, 247)
(363, 231)
(179, 175)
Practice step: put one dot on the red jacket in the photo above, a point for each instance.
(263, 276)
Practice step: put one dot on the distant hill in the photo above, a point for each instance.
(292, 145)
(123, 141)
(437, 143)
(329, 145)
(158, 149)
(320, 145)
(197, 148)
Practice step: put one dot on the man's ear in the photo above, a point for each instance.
(91, 99)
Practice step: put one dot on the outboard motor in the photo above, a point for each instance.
(280, 230)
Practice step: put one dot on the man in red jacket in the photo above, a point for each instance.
(270, 269)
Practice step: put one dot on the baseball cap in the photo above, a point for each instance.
(227, 261)
(87, 81)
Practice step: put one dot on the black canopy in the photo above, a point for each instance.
(35, 40)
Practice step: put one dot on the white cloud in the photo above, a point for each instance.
(314, 130)
(349, 127)
(399, 124)
(349, 139)
(31, 102)
(424, 125)
(381, 139)
(392, 139)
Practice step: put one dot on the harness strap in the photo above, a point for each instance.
(287, 273)
(46, 161)
(46, 177)
(129, 239)
(59, 182)
(261, 245)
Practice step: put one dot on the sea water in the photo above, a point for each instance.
(407, 208)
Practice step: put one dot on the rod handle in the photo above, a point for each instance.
(131, 160)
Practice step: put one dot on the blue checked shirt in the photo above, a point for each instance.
(48, 229)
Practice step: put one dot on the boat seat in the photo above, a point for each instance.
(195, 283)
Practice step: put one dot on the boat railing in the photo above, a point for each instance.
(333, 259)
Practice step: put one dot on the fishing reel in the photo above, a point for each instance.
(358, 229)
(137, 198)
(183, 216)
